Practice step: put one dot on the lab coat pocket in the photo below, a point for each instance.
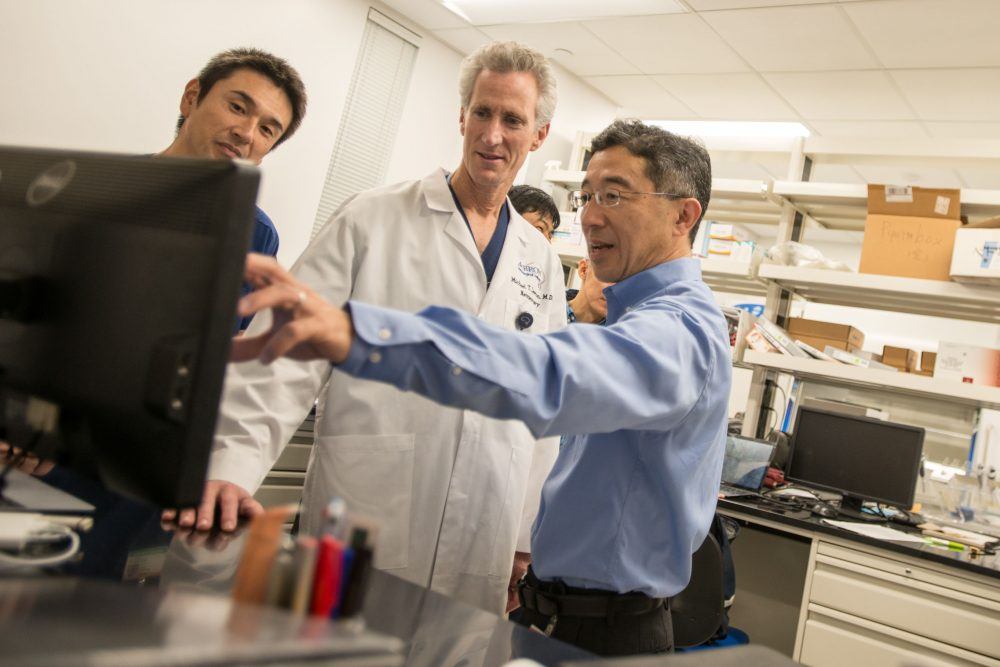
(374, 475)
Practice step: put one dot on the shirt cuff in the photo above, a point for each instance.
(359, 352)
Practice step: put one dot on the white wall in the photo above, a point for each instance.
(108, 74)
(580, 108)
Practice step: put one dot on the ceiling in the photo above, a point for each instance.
(904, 69)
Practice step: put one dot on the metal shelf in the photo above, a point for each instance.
(845, 205)
(938, 298)
(731, 277)
(906, 383)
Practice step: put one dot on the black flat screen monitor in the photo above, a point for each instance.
(861, 458)
(119, 277)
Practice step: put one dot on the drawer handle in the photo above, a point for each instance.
(908, 570)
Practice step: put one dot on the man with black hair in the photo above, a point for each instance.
(643, 398)
(537, 207)
(242, 104)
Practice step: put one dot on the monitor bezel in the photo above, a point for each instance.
(846, 493)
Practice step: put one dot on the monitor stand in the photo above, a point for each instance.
(852, 507)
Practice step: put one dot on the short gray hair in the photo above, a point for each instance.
(506, 57)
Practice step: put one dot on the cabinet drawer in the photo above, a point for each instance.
(270, 495)
(832, 642)
(294, 458)
(913, 605)
(280, 488)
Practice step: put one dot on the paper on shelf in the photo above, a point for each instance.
(876, 531)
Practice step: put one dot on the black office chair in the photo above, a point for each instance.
(696, 612)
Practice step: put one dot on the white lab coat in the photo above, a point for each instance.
(448, 486)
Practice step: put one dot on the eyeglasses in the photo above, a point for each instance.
(612, 197)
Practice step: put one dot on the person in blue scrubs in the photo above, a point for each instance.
(642, 400)
(242, 105)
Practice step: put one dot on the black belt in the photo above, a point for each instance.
(548, 600)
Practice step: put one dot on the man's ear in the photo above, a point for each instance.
(689, 214)
(540, 135)
(189, 100)
(461, 121)
(582, 269)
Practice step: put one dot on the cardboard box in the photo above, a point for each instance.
(910, 231)
(905, 200)
(968, 363)
(927, 361)
(976, 257)
(820, 334)
(900, 357)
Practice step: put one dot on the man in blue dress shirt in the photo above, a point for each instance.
(242, 104)
(643, 399)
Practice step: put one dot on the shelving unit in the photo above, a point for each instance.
(908, 383)
(903, 295)
(794, 207)
(844, 205)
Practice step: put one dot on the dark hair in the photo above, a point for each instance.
(527, 199)
(276, 69)
(673, 163)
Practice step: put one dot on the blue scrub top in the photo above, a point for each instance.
(491, 254)
(265, 242)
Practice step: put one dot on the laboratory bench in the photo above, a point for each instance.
(827, 596)
(142, 595)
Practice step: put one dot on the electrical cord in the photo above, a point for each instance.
(54, 532)
(784, 409)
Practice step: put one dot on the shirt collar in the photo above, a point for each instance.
(622, 296)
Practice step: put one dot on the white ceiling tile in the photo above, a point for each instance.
(669, 44)
(430, 14)
(964, 130)
(464, 40)
(923, 176)
(877, 129)
(584, 54)
(793, 39)
(711, 5)
(496, 12)
(952, 94)
(641, 96)
(842, 95)
(727, 96)
(930, 33)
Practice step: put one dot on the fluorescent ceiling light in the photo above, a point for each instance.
(495, 12)
(730, 128)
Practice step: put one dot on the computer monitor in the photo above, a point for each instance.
(859, 457)
(119, 277)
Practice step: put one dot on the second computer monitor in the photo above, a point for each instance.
(862, 458)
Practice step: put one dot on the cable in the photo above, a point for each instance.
(784, 408)
(54, 530)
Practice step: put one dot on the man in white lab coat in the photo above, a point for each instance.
(448, 486)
